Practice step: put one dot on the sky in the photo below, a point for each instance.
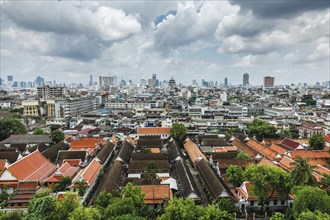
(68, 41)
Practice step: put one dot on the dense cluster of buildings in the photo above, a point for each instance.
(115, 133)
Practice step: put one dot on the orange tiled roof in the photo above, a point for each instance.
(269, 153)
(225, 149)
(2, 165)
(33, 167)
(154, 131)
(310, 154)
(72, 162)
(91, 171)
(192, 150)
(85, 143)
(315, 162)
(277, 148)
(322, 170)
(246, 149)
(286, 163)
(327, 138)
(67, 170)
(318, 177)
(156, 194)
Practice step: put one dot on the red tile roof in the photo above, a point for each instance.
(246, 149)
(153, 131)
(72, 162)
(286, 163)
(289, 144)
(327, 138)
(2, 165)
(277, 148)
(156, 194)
(90, 172)
(267, 152)
(192, 150)
(84, 143)
(33, 167)
(267, 162)
(225, 149)
(310, 154)
(322, 170)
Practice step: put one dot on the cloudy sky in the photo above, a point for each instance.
(69, 40)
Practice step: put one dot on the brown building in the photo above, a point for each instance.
(269, 81)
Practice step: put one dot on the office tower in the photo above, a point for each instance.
(172, 83)
(10, 80)
(269, 81)
(226, 81)
(105, 83)
(246, 79)
(90, 80)
(154, 76)
(39, 82)
(194, 82)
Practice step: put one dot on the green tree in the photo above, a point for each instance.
(134, 192)
(214, 213)
(278, 216)
(242, 156)
(316, 142)
(127, 217)
(103, 199)
(227, 205)
(308, 198)
(260, 129)
(67, 205)
(120, 206)
(151, 171)
(267, 180)
(184, 209)
(178, 131)
(38, 131)
(317, 215)
(63, 184)
(302, 172)
(325, 183)
(15, 215)
(42, 208)
(57, 136)
(235, 175)
(308, 99)
(81, 187)
(82, 213)
(9, 126)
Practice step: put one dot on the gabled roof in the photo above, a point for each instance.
(51, 153)
(106, 149)
(138, 166)
(210, 179)
(156, 194)
(224, 155)
(149, 141)
(223, 164)
(153, 131)
(277, 148)
(310, 154)
(186, 181)
(174, 151)
(125, 152)
(27, 139)
(10, 155)
(267, 152)
(246, 149)
(66, 170)
(192, 150)
(33, 167)
(113, 177)
(289, 144)
(286, 163)
(67, 154)
(327, 138)
(148, 156)
(86, 143)
(89, 173)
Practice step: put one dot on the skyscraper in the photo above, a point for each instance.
(172, 83)
(246, 79)
(226, 81)
(269, 81)
(90, 80)
(39, 82)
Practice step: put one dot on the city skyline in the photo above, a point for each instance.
(185, 40)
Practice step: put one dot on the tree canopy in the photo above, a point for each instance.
(260, 129)
(235, 175)
(39, 131)
(178, 131)
(9, 126)
(57, 136)
(308, 198)
(316, 142)
(267, 180)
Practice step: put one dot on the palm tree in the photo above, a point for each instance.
(302, 172)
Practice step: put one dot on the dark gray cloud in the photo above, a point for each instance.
(280, 8)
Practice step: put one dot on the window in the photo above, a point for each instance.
(252, 203)
(267, 203)
(282, 202)
(275, 202)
